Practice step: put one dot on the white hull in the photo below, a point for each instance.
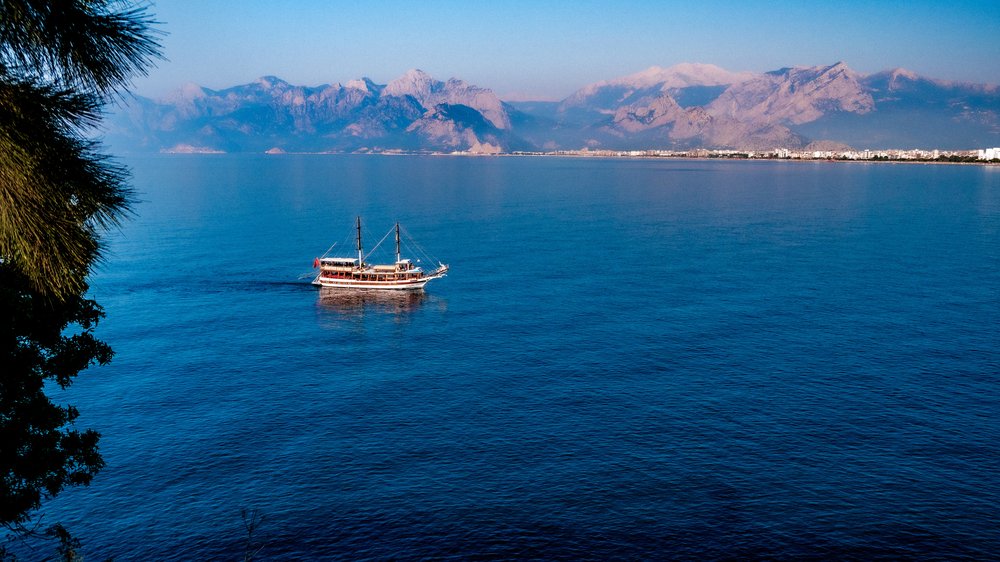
(408, 285)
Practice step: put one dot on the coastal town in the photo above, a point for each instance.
(983, 155)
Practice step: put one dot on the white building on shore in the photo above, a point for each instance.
(989, 153)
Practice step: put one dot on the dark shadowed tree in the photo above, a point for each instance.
(60, 62)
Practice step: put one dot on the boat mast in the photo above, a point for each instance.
(360, 252)
(397, 242)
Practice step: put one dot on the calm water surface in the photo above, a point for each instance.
(629, 359)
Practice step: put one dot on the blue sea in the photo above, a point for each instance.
(630, 359)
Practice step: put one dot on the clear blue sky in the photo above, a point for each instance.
(546, 50)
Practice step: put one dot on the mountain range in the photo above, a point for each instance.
(684, 106)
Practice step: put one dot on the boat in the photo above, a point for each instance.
(356, 273)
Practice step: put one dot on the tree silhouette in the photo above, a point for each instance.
(60, 62)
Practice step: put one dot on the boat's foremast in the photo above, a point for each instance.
(397, 243)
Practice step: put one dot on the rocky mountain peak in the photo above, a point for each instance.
(700, 74)
(414, 82)
(606, 95)
(187, 92)
(839, 69)
(430, 93)
(898, 77)
(795, 95)
(271, 82)
(364, 85)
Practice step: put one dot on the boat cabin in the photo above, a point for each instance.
(338, 264)
(347, 268)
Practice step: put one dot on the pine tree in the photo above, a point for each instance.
(61, 61)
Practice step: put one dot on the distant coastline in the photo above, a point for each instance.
(915, 156)
(894, 155)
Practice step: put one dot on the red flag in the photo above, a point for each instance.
(316, 262)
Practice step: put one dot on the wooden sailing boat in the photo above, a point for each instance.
(355, 273)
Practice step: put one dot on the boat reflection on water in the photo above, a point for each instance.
(357, 303)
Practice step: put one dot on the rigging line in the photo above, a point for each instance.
(346, 240)
(420, 252)
(419, 248)
(410, 241)
(328, 250)
(372, 251)
(367, 233)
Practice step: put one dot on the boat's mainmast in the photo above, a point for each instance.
(360, 251)
(397, 242)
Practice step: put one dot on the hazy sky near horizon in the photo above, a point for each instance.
(547, 50)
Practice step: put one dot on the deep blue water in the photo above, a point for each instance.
(629, 359)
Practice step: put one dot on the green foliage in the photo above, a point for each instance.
(87, 45)
(56, 190)
(60, 61)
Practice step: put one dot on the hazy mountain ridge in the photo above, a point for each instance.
(683, 106)
(411, 113)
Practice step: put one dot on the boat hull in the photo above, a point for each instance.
(402, 285)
